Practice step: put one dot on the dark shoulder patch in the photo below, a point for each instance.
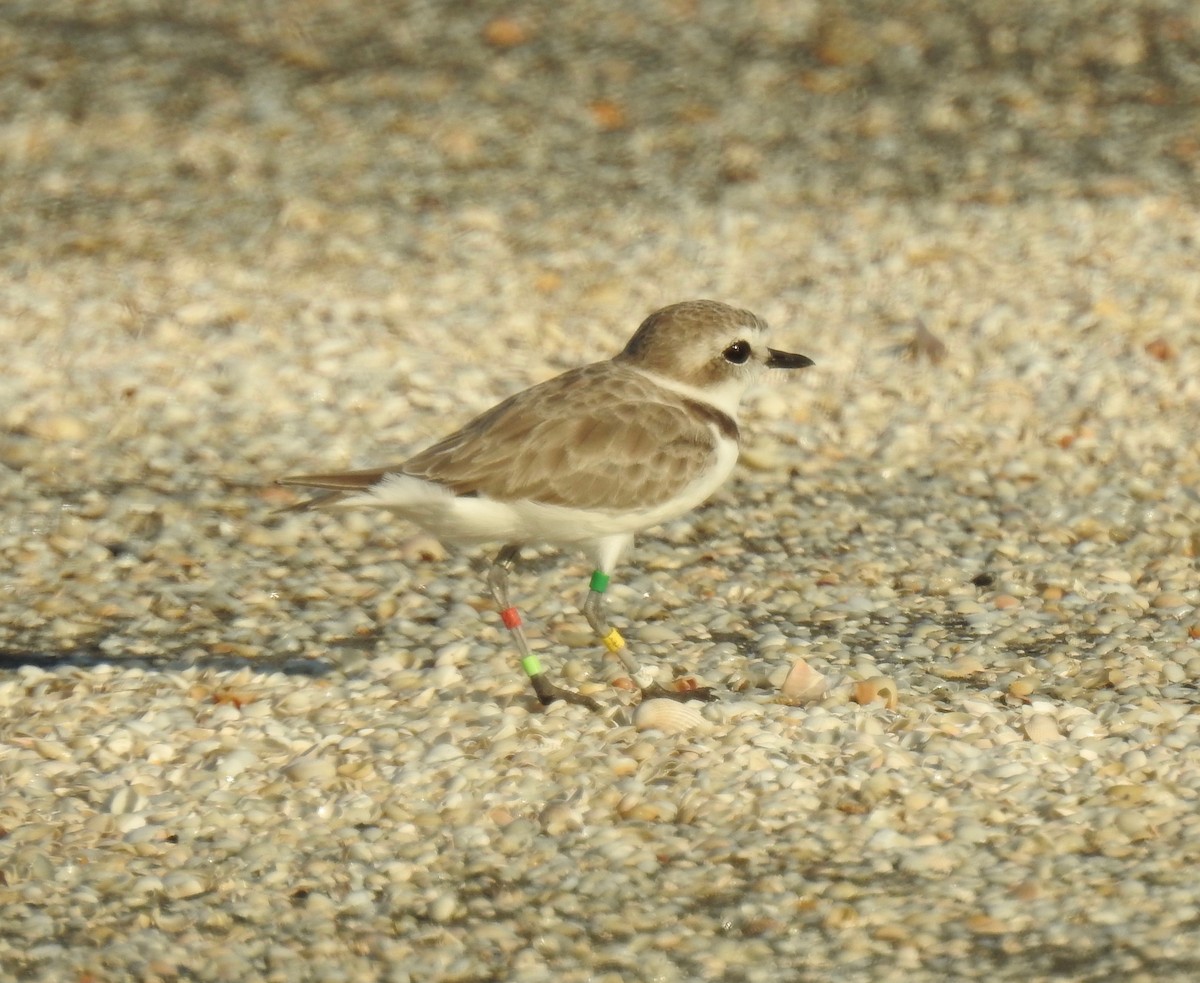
(710, 414)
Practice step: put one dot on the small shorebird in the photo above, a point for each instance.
(586, 459)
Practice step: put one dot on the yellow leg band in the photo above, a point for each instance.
(613, 641)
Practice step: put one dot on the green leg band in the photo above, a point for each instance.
(531, 665)
(599, 581)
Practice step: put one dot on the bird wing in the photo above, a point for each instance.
(597, 437)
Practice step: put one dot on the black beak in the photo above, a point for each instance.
(786, 360)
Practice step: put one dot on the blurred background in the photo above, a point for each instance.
(366, 120)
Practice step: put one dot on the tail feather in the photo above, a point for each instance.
(339, 485)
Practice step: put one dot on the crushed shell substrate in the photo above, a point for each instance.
(237, 744)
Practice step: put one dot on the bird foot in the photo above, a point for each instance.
(547, 693)
(703, 694)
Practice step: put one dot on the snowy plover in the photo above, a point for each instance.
(585, 459)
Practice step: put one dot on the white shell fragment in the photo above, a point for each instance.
(669, 716)
(877, 689)
(1041, 728)
(803, 684)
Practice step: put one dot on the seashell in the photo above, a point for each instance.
(803, 684)
(1041, 728)
(668, 716)
(962, 667)
(877, 689)
(558, 818)
(655, 811)
(501, 815)
(124, 800)
(421, 547)
(310, 769)
(181, 884)
(1022, 688)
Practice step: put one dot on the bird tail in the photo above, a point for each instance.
(338, 485)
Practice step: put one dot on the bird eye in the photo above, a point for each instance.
(737, 353)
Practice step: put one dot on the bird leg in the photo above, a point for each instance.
(594, 611)
(546, 691)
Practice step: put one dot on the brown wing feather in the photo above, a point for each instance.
(339, 483)
(609, 441)
(347, 481)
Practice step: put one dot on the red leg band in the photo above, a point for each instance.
(511, 618)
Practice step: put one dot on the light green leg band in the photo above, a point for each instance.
(531, 666)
